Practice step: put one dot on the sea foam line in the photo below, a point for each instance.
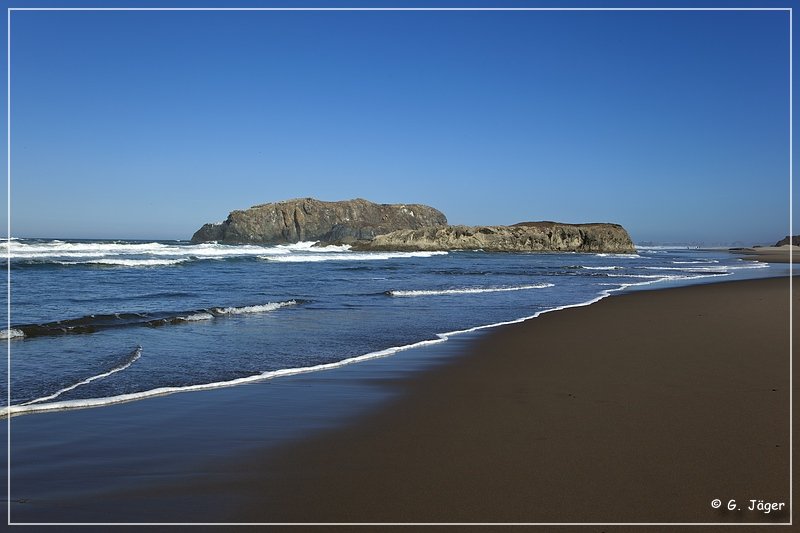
(347, 256)
(136, 354)
(475, 290)
(15, 410)
(241, 310)
(125, 262)
(138, 254)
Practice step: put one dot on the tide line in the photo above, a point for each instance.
(20, 409)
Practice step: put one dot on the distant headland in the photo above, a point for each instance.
(405, 227)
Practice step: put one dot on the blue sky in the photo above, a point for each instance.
(148, 124)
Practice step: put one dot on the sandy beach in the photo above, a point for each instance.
(770, 254)
(644, 407)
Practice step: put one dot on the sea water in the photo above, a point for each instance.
(100, 322)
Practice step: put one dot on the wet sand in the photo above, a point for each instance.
(643, 407)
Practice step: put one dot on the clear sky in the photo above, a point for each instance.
(149, 124)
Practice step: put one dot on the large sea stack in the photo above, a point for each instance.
(522, 237)
(308, 219)
(794, 240)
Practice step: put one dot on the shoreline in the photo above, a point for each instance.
(770, 254)
(511, 433)
(34, 407)
(37, 407)
(392, 382)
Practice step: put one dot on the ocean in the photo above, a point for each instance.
(94, 323)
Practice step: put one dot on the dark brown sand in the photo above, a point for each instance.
(643, 407)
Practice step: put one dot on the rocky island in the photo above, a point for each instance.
(403, 227)
(308, 219)
(522, 237)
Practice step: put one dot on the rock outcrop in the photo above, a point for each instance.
(794, 241)
(522, 237)
(308, 219)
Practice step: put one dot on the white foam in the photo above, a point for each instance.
(749, 265)
(126, 262)
(662, 277)
(691, 269)
(136, 354)
(310, 246)
(159, 254)
(63, 250)
(664, 247)
(703, 261)
(197, 317)
(12, 333)
(622, 256)
(469, 290)
(161, 391)
(348, 256)
(601, 267)
(252, 308)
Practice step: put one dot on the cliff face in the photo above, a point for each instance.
(793, 240)
(307, 219)
(522, 237)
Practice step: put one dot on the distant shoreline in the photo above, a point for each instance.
(770, 254)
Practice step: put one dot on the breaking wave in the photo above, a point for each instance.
(148, 254)
(467, 290)
(126, 262)
(583, 267)
(621, 256)
(94, 323)
(12, 333)
(440, 337)
(349, 256)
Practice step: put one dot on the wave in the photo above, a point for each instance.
(161, 391)
(119, 253)
(128, 361)
(621, 256)
(583, 267)
(12, 333)
(311, 246)
(711, 269)
(704, 261)
(94, 323)
(126, 262)
(349, 256)
(219, 311)
(157, 254)
(749, 266)
(670, 277)
(666, 247)
(467, 290)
